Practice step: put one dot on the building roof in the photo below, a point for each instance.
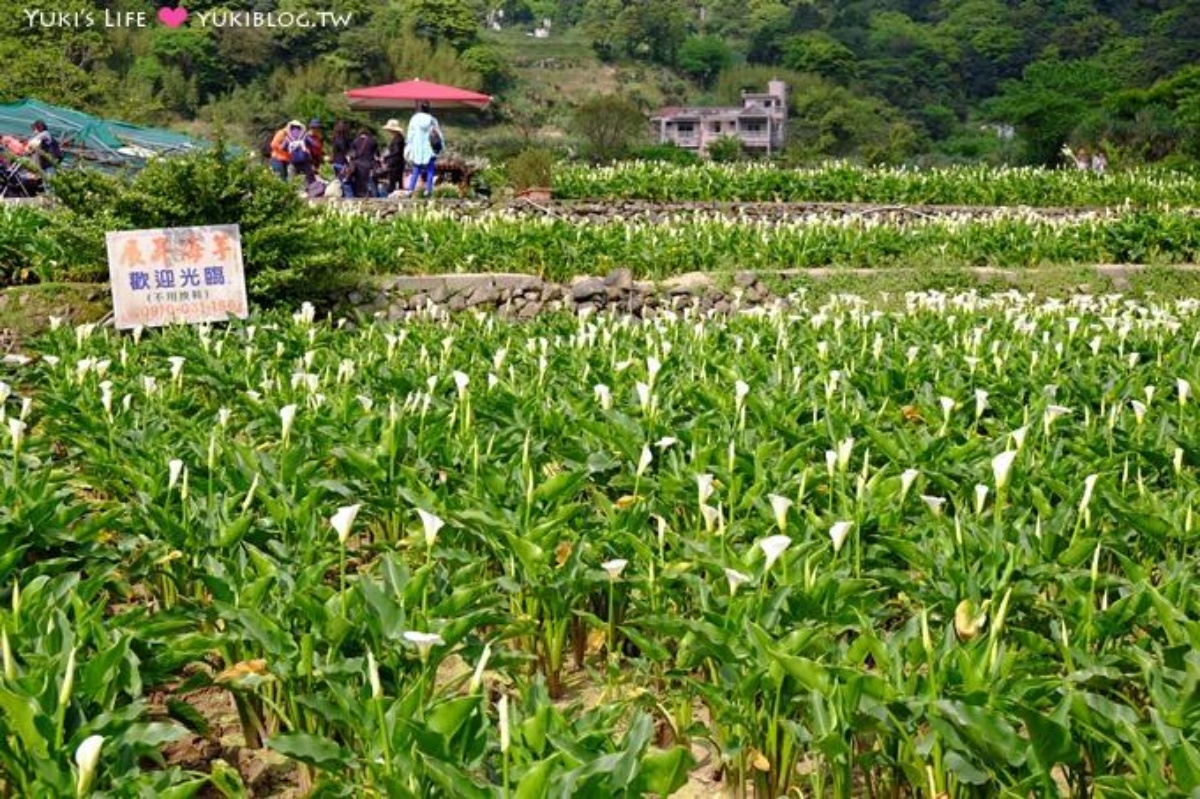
(682, 112)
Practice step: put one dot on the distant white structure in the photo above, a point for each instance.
(541, 33)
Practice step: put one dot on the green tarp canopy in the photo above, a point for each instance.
(88, 138)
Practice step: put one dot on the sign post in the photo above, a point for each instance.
(176, 276)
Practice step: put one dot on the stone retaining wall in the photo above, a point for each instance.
(525, 296)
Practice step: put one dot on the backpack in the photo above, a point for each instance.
(435, 141)
(54, 149)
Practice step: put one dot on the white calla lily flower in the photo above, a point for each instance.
(343, 520)
(838, 533)
(773, 546)
(430, 525)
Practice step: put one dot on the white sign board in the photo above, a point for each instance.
(176, 276)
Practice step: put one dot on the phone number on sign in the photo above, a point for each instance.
(184, 311)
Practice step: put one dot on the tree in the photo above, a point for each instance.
(609, 125)
(821, 54)
(704, 58)
(653, 29)
(453, 22)
(1051, 100)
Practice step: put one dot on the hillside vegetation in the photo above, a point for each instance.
(886, 80)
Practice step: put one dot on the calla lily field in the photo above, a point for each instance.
(942, 546)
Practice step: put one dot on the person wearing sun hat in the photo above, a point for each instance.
(393, 157)
(292, 147)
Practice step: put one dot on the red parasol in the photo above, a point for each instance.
(409, 93)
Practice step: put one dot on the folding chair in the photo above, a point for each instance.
(12, 182)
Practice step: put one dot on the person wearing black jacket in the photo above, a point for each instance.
(340, 144)
(393, 157)
(363, 155)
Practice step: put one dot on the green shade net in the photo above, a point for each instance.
(87, 138)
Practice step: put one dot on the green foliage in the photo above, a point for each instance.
(819, 53)
(703, 58)
(610, 125)
(27, 251)
(530, 169)
(666, 154)
(452, 22)
(284, 256)
(726, 150)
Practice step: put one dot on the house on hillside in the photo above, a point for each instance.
(760, 122)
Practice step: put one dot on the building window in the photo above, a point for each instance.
(684, 127)
(753, 127)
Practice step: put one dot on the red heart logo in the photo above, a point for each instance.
(172, 17)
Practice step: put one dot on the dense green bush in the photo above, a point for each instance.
(667, 154)
(27, 254)
(726, 150)
(285, 255)
(531, 169)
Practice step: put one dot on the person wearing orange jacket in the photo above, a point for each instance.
(292, 147)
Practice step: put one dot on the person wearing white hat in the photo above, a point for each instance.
(393, 157)
(292, 147)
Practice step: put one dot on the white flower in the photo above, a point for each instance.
(176, 362)
(603, 395)
(736, 579)
(665, 442)
(1177, 460)
(223, 415)
(981, 402)
(838, 533)
(55, 322)
(87, 758)
(174, 469)
(772, 547)
(1139, 411)
(1184, 388)
(740, 391)
(644, 460)
(780, 506)
(373, 676)
(287, 415)
(423, 641)
(106, 396)
(431, 525)
(51, 359)
(644, 396)
(492, 380)
(1052, 413)
(704, 486)
(343, 520)
(505, 733)
(480, 667)
(1089, 485)
(830, 462)
(1018, 437)
(498, 358)
(712, 517)
(1149, 392)
(653, 366)
(907, 478)
(1002, 466)
(461, 381)
(981, 492)
(947, 407)
(934, 503)
(614, 567)
(844, 449)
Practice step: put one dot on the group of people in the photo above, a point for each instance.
(1094, 162)
(28, 164)
(360, 167)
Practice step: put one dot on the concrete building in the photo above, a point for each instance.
(760, 122)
